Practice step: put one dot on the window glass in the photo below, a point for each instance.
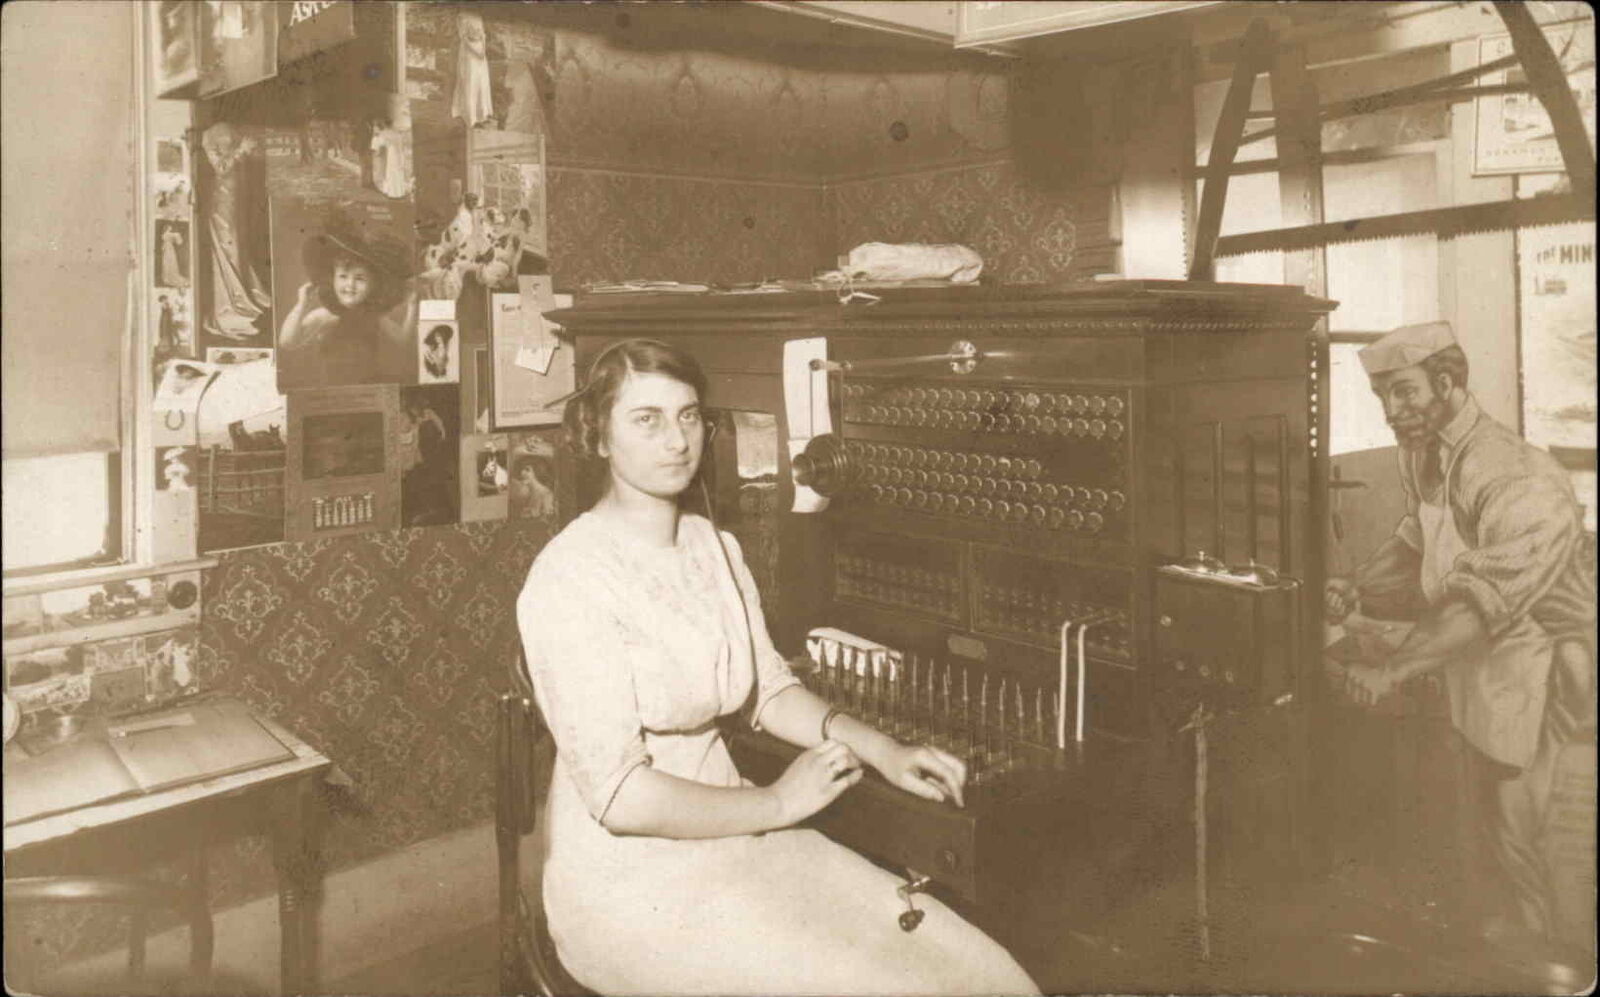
(60, 511)
(1355, 416)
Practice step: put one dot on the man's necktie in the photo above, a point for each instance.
(1431, 475)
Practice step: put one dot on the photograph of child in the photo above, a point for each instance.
(349, 310)
(440, 353)
(493, 475)
(172, 253)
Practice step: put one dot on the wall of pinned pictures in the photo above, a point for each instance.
(350, 268)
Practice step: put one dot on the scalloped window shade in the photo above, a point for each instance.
(67, 108)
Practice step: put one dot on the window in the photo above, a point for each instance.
(68, 255)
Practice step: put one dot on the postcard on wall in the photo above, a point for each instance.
(170, 181)
(1514, 133)
(174, 332)
(176, 46)
(238, 44)
(241, 456)
(172, 253)
(341, 283)
(532, 491)
(485, 476)
(343, 468)
(181, 385)
(143, 670)
(429, 445)
(438, 343)
(531, 368)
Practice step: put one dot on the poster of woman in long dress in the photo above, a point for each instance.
(472, 102)
(237, 306)
(172, 253)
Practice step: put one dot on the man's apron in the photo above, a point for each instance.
(1497, 691)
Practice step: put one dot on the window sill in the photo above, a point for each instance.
(34, 584)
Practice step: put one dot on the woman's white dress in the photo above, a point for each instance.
(634, 652)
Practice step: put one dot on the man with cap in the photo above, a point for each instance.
(1490, 560)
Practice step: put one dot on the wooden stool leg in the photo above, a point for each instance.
(202, 941)
(138, 925)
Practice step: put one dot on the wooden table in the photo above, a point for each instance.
(278, 797)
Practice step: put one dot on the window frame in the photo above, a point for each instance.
(134, 504)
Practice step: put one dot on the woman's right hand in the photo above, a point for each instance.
(815, 779)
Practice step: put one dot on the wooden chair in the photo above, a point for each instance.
(140, 897)
(524, 753)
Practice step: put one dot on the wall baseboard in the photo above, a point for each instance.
(370, 913)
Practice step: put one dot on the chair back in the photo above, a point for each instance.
(524, 755)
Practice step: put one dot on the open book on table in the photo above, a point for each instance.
(142, 754)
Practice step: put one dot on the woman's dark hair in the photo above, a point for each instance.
(438, 334)
(588, 413)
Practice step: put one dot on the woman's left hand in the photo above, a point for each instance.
(926, 771)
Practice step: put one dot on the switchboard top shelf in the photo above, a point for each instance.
(1123, 299)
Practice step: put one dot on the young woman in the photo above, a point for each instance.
(666, 873)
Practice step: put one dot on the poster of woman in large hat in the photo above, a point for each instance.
(348, 303)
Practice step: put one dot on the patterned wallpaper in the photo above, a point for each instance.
(610, 226)
(1024, 235)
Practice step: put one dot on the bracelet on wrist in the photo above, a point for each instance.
(827, 720)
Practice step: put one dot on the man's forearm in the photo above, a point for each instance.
(1440, 637)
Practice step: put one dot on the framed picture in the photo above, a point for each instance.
(176, 43)
(238, 44)
(343, 473)
(340, 277)
(1513, 131)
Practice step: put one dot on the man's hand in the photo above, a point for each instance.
(1367, 685)
(1339, 599)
